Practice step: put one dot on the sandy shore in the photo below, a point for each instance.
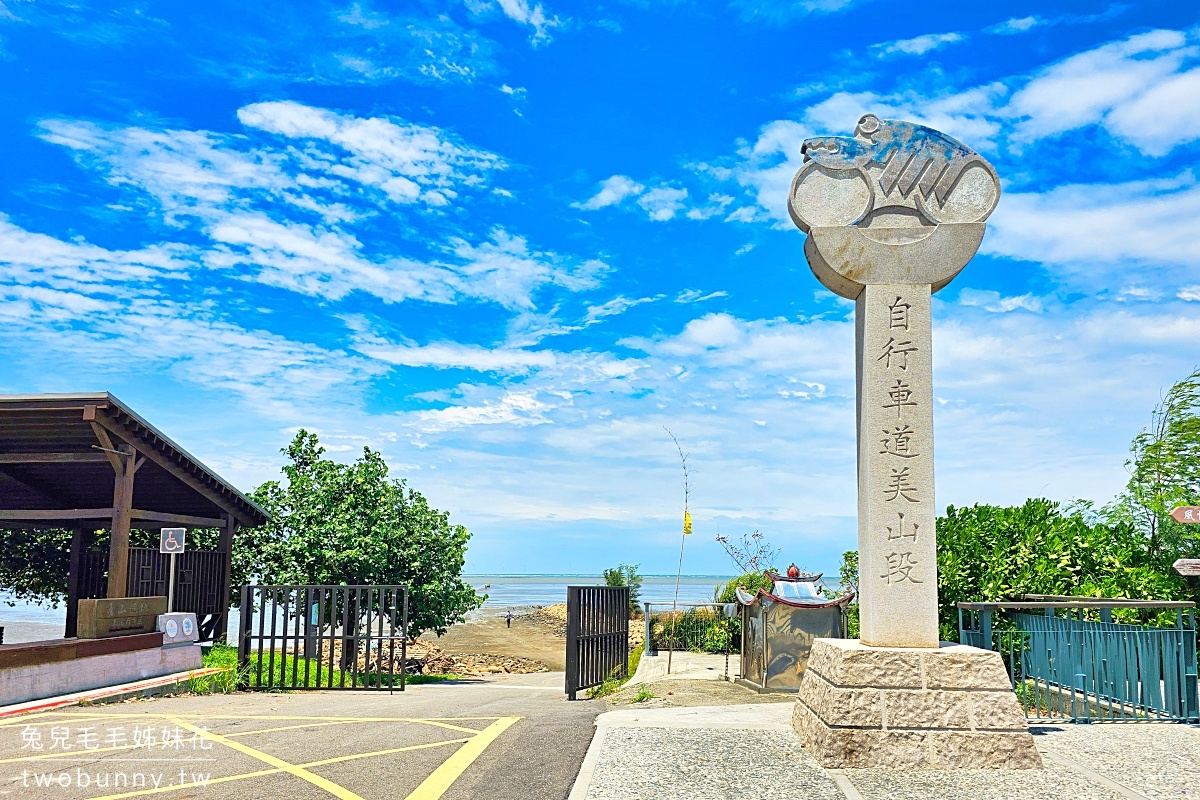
(486, 633)
(18, 632)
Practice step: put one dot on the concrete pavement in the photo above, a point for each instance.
(515, 738)
(748, 752)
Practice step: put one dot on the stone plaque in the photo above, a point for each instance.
(100, 619)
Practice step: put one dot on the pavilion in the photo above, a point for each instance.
(87, 462)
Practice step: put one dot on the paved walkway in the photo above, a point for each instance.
(685, 666)
(749, 752)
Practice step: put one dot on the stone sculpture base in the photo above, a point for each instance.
(903, 708)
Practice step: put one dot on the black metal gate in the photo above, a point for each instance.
(597, 635)
(323, 637)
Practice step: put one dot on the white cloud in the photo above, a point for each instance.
(103, 311)
(408, 162)
(78, 267)
(995, 302)
(515, 408)
(717, 203)
(341, 168)
(1140, 89)
(618, 305)
(612, 191)
(1083, 89)
(521, 12)
(506, 271)
(697, 296)
(663, 203)
(1097, 232)
(782, 11)
(918, 45)
(1189, 293)
(1166, 115)
(1015, 25)
(443, 355)
(326, 163)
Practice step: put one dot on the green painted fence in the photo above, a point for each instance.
(1072, 668)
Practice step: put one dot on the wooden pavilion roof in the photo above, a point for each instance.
(57, 458)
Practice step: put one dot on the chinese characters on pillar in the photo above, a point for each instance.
(897, 444)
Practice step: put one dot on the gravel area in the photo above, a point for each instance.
(1159, 760)
(692, 757)
(702, 764)
(1049, 784)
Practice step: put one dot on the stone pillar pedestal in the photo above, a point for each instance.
(949, 707)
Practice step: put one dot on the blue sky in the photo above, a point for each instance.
(507, 242)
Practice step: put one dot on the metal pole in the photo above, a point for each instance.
(646, 651)
(171, 587)
(675, 602)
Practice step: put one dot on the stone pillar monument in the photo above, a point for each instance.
(893, 214)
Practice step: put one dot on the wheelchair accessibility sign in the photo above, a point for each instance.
(170, 540)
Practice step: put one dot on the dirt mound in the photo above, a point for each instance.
(427, 658)
(554, 619)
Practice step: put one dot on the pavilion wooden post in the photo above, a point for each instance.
(225, 545)
(74, 578)
(118, 546)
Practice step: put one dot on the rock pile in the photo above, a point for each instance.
(554, 619)
(426, 658)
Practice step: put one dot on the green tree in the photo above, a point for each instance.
(334, 523)
(994, 553)
(750, 582)
(1164, 472)
(34, 563)
(626, 575)
(848, 573)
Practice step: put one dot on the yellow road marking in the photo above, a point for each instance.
(337, 791)
(441, 779)
(88, 752)
(283, 717)
(448, 726)
(22, 721)
(81, 753)
(291, 727)
(262, 772)
(432, 788)
(355, 756)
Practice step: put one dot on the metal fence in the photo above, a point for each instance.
(1071, 668)
(323, 637)
(199, 578)
(597, 635)
(694, 627)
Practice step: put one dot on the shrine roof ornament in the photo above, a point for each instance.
(897, 202)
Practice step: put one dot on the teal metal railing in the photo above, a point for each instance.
(1067, 667)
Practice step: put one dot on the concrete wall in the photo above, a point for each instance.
(37, 681)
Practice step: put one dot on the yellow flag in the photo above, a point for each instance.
(687, 522)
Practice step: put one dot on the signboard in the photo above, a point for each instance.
(1188, 567)
(170, 540)
(100, 619)
(178, 628)
(1186, 514)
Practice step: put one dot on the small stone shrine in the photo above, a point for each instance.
(893, 214)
